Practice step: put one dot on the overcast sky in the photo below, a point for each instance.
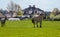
(46, 5)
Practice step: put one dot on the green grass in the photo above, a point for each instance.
(25, 29)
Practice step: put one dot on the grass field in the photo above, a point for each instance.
(25, 28)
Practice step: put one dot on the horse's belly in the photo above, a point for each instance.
(38, 19)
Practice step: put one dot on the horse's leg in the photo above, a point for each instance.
(37, 23)
(33, 22)
(40, 24)
(3, 23)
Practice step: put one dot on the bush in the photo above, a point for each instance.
(56, 19)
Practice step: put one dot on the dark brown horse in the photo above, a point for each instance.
(3, 20)
(37, 18)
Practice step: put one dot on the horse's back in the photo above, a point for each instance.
(37, 18)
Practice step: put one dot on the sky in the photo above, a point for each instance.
(46, 5)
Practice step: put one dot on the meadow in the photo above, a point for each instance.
(24, 28)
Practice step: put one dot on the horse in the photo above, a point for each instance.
(3, 21)
(37, 18)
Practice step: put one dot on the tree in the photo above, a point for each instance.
(55, 11)
(20, 13)
(14, 7)
(55, 14)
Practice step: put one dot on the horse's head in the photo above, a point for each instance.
(41, 14)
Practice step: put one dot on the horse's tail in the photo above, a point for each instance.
(33, 21)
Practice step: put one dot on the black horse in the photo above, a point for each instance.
(37, 18)
(3, 21)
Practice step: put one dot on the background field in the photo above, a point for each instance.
(25, 28)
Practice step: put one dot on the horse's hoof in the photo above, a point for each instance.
(40, 27)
